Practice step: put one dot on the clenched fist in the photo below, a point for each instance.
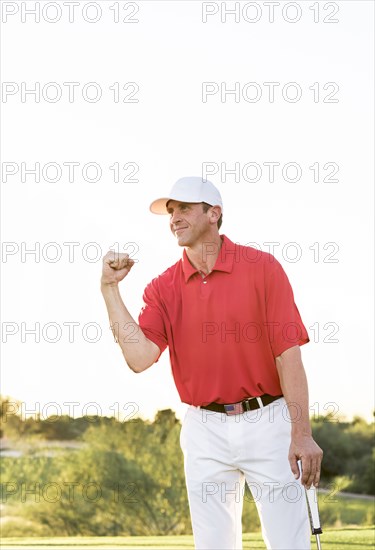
(116, 266)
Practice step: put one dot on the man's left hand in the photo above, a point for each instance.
(303, 447)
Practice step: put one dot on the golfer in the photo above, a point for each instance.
(227, 314)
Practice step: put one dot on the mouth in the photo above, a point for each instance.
(177, 231)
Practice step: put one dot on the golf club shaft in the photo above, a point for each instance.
(312, 504)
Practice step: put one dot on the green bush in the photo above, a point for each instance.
(138, 467)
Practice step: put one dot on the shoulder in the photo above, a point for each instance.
(246, 254)
(165, 279)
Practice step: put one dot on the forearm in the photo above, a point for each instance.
(295, 390)
(139, 352)
(294, 386)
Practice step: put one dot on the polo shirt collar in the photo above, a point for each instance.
(224, 261)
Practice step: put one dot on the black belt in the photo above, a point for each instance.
(249, 404)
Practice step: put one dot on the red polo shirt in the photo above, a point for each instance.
(223, 330)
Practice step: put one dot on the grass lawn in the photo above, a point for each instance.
(332, 539)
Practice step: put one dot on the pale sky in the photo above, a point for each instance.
(166, 131)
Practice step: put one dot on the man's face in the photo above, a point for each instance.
(187, 221)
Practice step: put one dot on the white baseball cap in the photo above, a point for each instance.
(189, 189)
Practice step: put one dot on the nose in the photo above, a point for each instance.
(175, 217)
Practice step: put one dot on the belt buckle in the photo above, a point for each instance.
(241, 406)
(246, 403)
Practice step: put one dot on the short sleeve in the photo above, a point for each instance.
(284, 323)
(151, 318)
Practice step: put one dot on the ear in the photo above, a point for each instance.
(215, 212)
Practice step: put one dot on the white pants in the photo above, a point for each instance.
(220, 453)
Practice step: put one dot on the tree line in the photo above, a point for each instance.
(127, 478)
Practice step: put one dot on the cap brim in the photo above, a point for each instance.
(159, 206)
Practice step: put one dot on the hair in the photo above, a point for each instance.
(206, 206)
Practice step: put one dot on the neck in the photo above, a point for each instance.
(203, 254)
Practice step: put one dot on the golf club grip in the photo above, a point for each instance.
(314, 512)
(312, 503)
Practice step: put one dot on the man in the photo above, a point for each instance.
(228, 316)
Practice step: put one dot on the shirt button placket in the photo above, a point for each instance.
(204, 287)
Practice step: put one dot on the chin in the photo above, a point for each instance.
(181, 241)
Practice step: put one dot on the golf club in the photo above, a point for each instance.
(312, 506)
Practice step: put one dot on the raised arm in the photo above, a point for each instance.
(139, 352)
